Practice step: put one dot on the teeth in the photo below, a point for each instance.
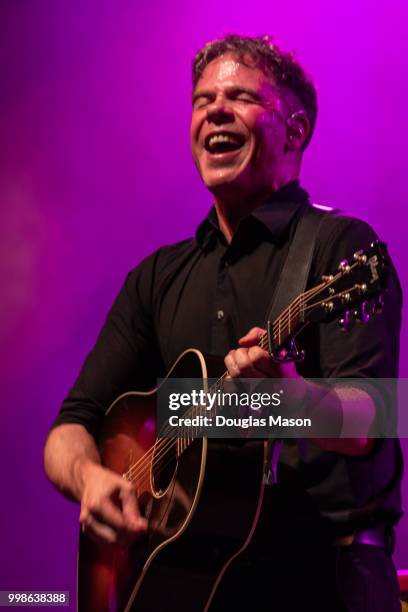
(221, 138)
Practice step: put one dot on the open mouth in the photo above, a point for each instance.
(223, 142)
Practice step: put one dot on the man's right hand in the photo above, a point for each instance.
(109, 508)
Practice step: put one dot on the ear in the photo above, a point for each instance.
(298, 129)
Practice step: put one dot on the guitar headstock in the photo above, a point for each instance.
(353, 293)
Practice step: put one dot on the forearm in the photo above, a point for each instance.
(68, 451)
(351, 408)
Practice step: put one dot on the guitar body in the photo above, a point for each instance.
(191, 501)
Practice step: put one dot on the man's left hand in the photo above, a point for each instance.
(252, 361)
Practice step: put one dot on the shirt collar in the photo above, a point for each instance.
(276, 214)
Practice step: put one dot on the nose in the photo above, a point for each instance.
(219, 112)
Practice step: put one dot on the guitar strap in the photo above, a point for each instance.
(295, 272)
(292, 282)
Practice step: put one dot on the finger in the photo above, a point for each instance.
(231, 365)
(253, 337)
(98, 532)
(107, 512)
(102, 508)
(262, 363)
(134, 521)
(244, 363)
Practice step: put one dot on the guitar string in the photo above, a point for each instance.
(135, 470)
(165, 444)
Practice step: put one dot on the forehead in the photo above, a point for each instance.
(229, 69)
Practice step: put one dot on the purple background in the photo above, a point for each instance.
(95, 173)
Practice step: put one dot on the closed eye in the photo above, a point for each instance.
(244, 95)
(201, 100)
(247, 99)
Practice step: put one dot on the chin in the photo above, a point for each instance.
(219, 183)
(218, 180)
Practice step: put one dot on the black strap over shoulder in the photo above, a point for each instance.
(295, 273)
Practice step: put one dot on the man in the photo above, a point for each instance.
(253, 114)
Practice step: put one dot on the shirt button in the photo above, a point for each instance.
(220, 314)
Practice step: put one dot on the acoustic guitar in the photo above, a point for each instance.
(189, 489)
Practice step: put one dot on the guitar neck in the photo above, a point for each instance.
(354, 285)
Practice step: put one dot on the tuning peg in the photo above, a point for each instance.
(344, 266)
(328, 306)
(361, 288)
(359, 257)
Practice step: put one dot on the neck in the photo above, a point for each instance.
(234, 205)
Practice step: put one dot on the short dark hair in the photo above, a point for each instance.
(286, 72)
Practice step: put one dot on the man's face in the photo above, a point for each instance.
(238, 128)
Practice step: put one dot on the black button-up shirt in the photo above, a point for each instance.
(205, 293)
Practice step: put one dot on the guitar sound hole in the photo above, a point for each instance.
(164, 465)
